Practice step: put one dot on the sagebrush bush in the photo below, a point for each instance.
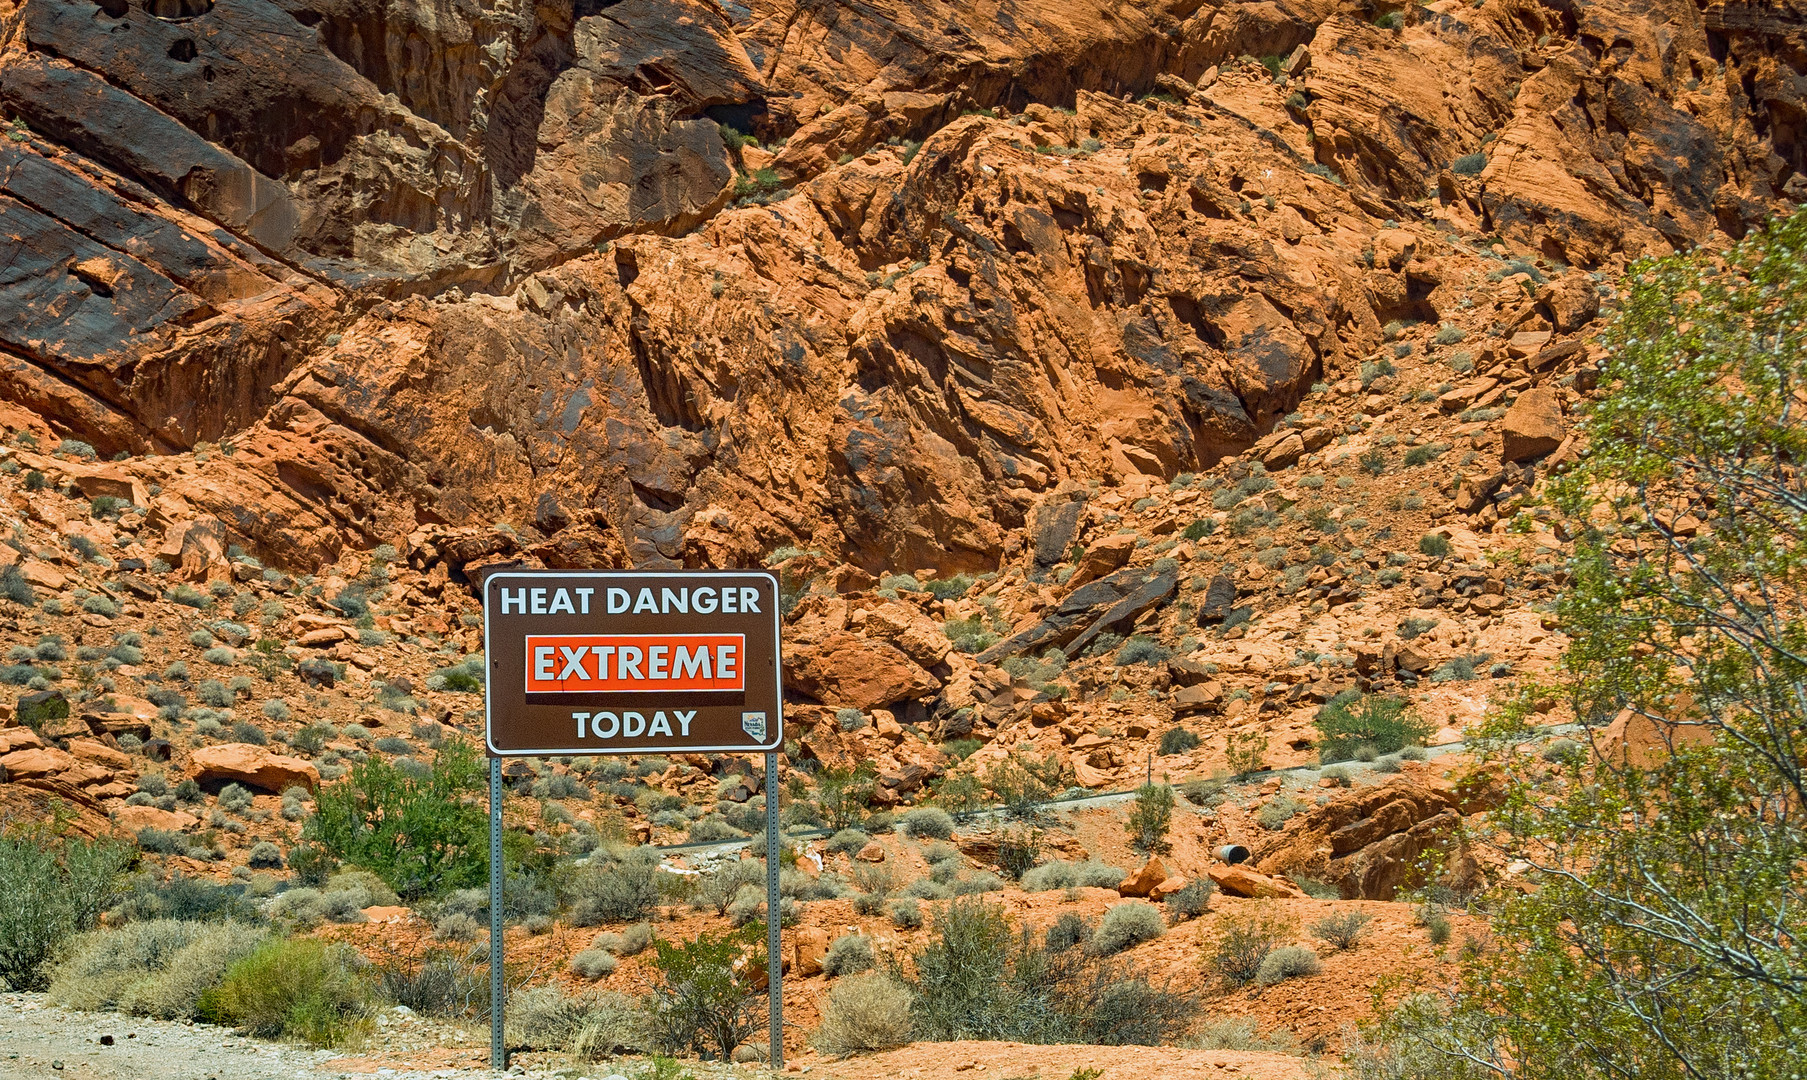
(593, 964)
(1068, 875)
(297, 988)
(928, 823)
(158, 968)
(1189, 902)
(848, 842)
(904, 913)
(1178, 740)
(863, 1013)
(849, 954)
(1127, 925)
(717, 888)
(1286, 962)
(980, 978)
(623, 892)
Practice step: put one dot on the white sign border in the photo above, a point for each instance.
(590, 751)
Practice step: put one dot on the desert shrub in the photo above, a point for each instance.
(1019, 850)
(313, 738)
(848, 842)
(1066, 932)
(622, 892)
(929, 823)
(904, 913)
(235, 798)
(1459, 669)
(1189, 902)
(1439, 928)
(1466, 165)
(1127, 925)
(700, 1002)
(593, 964)
(849, 954)
(1178, 740)
(392, 745)
(1341, 931)
(296, 988)
(1277, 811)
(1286, 962)
(1238, 1033)
(843, 792)
(420, 834)
(716, 889)
(867, 1012)
(1151, 819)
(1386, 723)
(265, 856)
(57, 884)
(1415, 626)
(220, 656)
(1142, 650)
(189, 899)
(458, 927)
(158, 968)
(979, 978)
(1068, 875)
(1245, 939)
(1435, 545)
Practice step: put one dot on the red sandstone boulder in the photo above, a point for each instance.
(253, 766)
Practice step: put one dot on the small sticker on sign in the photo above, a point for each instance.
(753, 723)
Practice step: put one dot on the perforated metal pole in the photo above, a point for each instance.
(774, 967)
(498, 1054)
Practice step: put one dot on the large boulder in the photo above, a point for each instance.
(1104, 556)
(808, 949)
(1145, 880)
(38, 761)
(848, 670)
(1533, 427)
(252, 766)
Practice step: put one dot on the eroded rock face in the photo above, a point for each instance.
(429, 267)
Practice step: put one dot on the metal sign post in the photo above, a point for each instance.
(774, 966)
(498, 1054)
(631, 662)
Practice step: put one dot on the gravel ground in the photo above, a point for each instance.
(43, 1042)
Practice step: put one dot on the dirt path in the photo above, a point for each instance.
(41, 1042)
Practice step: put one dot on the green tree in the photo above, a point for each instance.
(1150, 819)
(56, 884)
(702, 1002)
(423, 835)
(1667, 932)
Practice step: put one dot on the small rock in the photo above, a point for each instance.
(872, 852)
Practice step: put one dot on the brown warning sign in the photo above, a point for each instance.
(626, 661)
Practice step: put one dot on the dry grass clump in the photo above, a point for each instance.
(864, 1012)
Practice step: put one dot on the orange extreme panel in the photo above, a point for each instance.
(612, 663)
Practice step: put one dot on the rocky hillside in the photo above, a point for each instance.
(661, 281)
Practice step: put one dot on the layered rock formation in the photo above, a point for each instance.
(341, 272)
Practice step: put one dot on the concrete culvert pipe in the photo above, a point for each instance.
(1233, 854)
